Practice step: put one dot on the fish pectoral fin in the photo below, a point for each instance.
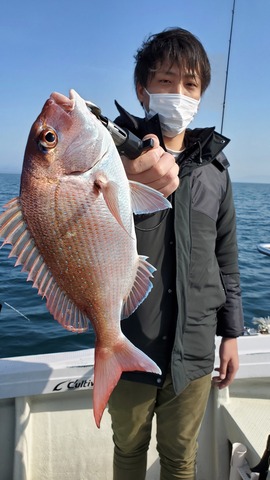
(14, 230)
(140, 289)
(145, 199)
(109, 191)
(109, 365)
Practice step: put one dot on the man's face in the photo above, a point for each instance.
(168, 78)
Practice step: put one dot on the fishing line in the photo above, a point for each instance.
(7, 304)
(15, 310)
(163, 216)
(150, 229)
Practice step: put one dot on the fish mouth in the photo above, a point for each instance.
(66, 103)
(75, 103)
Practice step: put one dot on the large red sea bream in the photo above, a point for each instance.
(72, 229)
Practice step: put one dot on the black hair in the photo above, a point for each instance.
(176, 45)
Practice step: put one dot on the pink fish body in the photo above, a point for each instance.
(72, 229)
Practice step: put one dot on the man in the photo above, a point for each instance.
(196, 290)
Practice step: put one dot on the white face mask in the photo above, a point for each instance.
(175, 111)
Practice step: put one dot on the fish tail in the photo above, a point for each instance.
(109, 365)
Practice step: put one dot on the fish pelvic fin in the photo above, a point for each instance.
(145, 199)
(109, 365)
(140, 289)
(13, 229)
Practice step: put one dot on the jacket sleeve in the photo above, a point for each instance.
(230, 321)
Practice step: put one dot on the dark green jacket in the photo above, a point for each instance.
(193, 246)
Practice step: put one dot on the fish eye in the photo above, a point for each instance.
(48, 139)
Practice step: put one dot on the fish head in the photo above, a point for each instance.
(66, 139)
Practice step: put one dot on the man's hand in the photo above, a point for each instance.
(229, 362)
(155, 168)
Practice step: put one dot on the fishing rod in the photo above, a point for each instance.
(227, 68)
(125, 141)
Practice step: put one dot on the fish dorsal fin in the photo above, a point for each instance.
(140, 288)
(145, 199)
(14, 231)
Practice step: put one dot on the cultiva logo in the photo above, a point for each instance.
(74, 384)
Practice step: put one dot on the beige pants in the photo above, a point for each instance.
(132, 407)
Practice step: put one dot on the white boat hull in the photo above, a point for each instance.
(264, 248)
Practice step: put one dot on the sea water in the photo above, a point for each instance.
(34, 331)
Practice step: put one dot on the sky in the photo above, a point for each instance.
(89, 45)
